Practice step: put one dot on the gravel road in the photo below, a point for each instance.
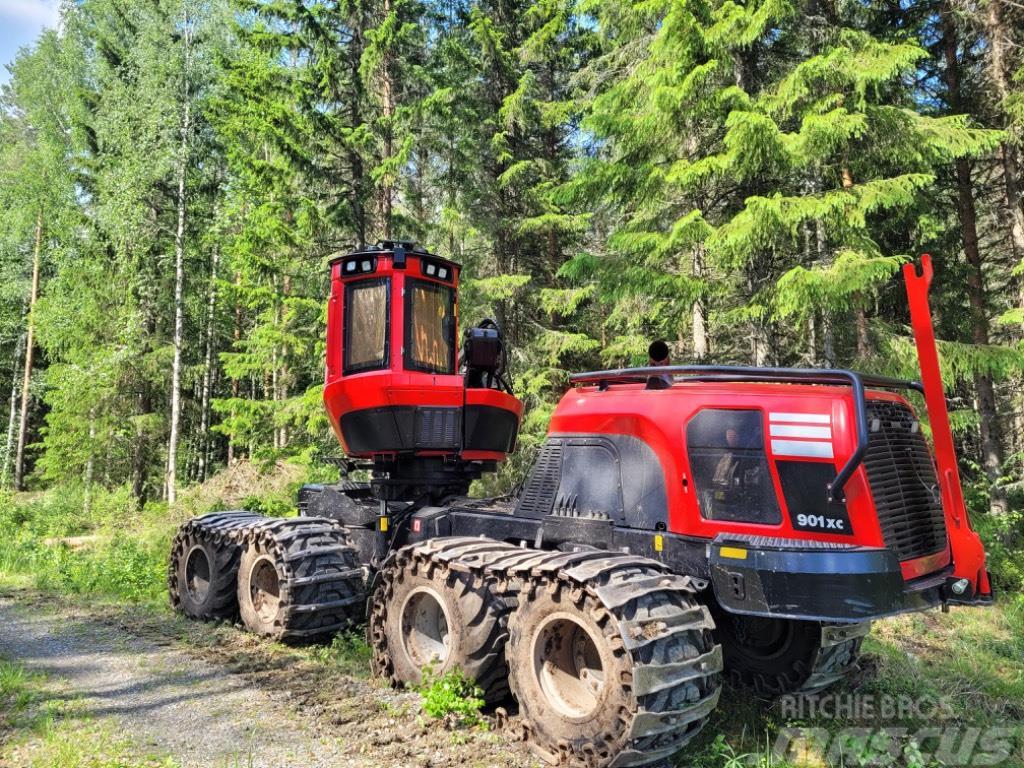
(205, 713)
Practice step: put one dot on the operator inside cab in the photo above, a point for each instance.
(658, 355)
(737, 478)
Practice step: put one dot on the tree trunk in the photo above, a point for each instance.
(284, 373)
(828, 336)
(991, 445)
(388, 109)
(204, 418)
(19, 458)
(179, 281)
(700, 327)
(12, 418)
(1011, 166)
(89, 466)
(760, 337)
(236, 336)
(860, 317)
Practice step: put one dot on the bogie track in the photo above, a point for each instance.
(610, 656)
(288, 577)
(435, 608)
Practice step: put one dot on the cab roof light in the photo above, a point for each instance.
(359, 265)
(439, 270)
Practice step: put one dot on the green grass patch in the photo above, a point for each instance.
(112, 551)
(42, 728)
(452, 698)
(348, 653)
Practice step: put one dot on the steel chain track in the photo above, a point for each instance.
(321, 580)
(672, 700)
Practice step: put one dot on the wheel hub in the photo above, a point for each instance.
(197, 573)
(265, 588)
(425, 634)
(568, 666)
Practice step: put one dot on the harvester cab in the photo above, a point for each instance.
(425, 418)
(750, 521)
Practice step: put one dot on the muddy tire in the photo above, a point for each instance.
(205, 583)
(298, 578)
(776, 657)
(612, 661)
(203, 569)
(431, 612)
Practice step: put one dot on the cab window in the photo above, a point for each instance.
(366, 325)
(730, 470)
(429, 327)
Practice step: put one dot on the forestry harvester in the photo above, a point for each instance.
(680, 522)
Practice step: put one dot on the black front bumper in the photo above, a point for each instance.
(832, 583)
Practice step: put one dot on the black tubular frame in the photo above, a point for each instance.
(737, 373)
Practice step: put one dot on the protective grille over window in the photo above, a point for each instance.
(366, 325)
(730, 470)
(430, 325)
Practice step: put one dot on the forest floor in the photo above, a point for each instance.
(96, 671)
(103, 685)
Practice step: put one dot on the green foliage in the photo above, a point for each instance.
(453, 698)
(53, 545)
(743, 180)
(1003, 536)
(347, 652)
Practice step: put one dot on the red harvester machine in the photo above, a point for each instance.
(752, 521)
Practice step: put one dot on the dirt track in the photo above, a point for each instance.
(233, 702)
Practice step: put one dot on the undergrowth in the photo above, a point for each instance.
(49, 543)
(452, 698)
(102, 546)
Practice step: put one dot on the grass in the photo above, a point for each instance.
(348, 653)
(115, 552)
(934, 690)
(50, 544)
(40, 728)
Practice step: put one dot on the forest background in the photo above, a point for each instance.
(743, 180)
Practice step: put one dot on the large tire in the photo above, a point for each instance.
(429, 612)
(203, 569)
(776, 657)
(611, 659)
(298, 578)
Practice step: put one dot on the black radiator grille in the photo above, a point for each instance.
(538, 494)
(903, 482)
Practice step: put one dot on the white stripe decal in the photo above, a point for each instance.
(818, 450)
(792, 430)
(801, 418)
